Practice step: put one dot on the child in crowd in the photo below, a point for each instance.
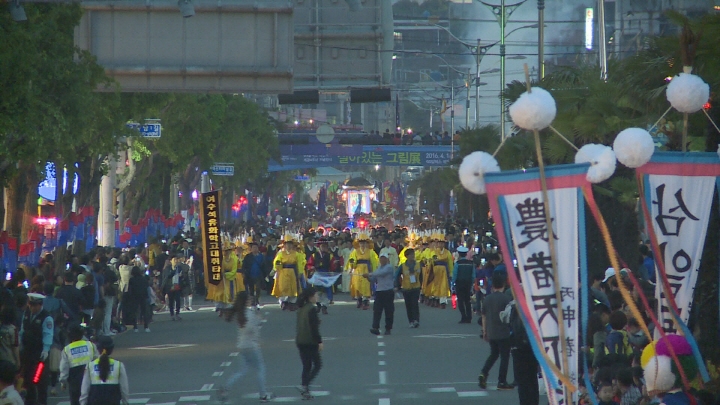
(606, 393)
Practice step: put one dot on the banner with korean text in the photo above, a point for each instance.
(678, 190)
(211, 240)
(519, 211)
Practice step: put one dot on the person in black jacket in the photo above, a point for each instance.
(463, 277)
(308, 339)
(525, 365)
(253, 268)
(138, 297)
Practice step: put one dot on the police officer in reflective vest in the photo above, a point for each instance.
(36, 337)
(105, 381)
(75, 357)
(407, 278)
(463, 276)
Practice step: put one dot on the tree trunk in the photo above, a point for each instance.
(17, 191)
(30, 209)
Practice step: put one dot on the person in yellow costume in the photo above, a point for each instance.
(230, 288)
(240, 252)
(442, 263)
(424, 257)
(362, 260)
(289, 267)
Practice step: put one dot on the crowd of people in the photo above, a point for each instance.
(65, 320)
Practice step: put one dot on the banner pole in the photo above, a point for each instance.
(551, 244)
(685, 132)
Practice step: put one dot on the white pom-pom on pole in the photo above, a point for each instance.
(687, 93)
(633, 147)
(533, 110)
(473, 168)
(602, 161)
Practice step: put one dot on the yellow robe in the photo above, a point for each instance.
(239, 276)
(365, 262)
(442, 267)
(426, 257)
(231, 286)
(288, 267)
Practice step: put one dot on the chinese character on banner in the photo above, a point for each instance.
(517, 204)
(212, 249)
(678, 190)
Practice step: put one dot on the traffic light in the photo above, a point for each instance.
(372, 95)
(300, 97)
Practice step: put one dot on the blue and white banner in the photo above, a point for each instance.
(550, 305)
(324, 279)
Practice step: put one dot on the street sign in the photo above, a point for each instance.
(302, 178)
(223, 169)
(151, 130)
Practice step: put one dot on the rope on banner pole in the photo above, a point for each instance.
(685, 132)
(660, 119)
(711, 120)
(563, 138)
(612, 255)
(551, 244)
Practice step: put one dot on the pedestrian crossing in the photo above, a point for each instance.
(290, 395)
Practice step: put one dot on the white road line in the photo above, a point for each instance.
(207, 387)
(379, 336)
(137, 401)
(380, 391)
(234, 354)
(320, 393)
(225, 364)
(383, 401)
(383, 377)
(64, 403)
(217, 373)
(194, 398)
(166, 403)
(470, 394)
(441, 389)
(381, 353)
(381, 344)
(285, 399)
(381, 363)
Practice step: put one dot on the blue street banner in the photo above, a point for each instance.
(307, 156)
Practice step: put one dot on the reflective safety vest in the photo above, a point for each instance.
(80, 353)
(105, 392)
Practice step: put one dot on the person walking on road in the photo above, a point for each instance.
(463, 276)
(248, 342)
(105, 380)
(75, 357)
(384, 294)
(308, 339)
(496, 332)
(407, 277)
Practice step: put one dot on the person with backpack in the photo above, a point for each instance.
(617, 344)
(525, 365)
(462, 278)
(496, 332)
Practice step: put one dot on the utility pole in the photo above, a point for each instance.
(541, 39)
(503, 21)
(602, 41)
(477, 83)
(467, 101)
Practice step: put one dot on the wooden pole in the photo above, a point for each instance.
(685, 132)
(551, 244)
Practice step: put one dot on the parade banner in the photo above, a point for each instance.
(518, 208)
(678, 190)
(211, 240)
(324, 279)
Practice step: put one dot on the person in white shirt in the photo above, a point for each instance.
(8, 393)
(248, 342)
(345, 254)
(390, 251)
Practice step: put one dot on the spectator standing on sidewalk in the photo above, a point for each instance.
(384, 294)
(496, 332)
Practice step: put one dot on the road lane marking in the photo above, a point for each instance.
(446, 336)
(285, 399)
(137, 401)
(380, 391)
(441, 389)
(381, 363)
(207, 387)
(225, 364)
(194, 398)
(383, 401)
(470, 394)
(217, 373)
(163, 347)
(381, 353)
(383, 377)
(381, 344)
(234, 354)
(166, 403)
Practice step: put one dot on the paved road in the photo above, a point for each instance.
(184, 362)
